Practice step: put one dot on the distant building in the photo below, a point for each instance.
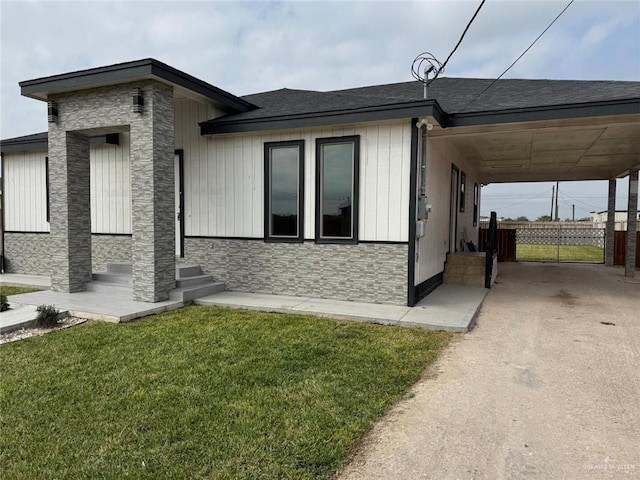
(599, 219)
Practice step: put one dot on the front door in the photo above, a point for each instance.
(179, 187)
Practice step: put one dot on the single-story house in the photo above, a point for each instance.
(599, 219)
(356, 194)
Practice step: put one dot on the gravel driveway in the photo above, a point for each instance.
(546, 386)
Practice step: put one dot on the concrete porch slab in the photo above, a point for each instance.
(450, 308)
(17, 318)
(95, 305)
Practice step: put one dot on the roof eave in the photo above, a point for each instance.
(548, 112)
(315, 119)
(41, 88)
(25, 144)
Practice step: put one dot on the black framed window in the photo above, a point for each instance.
(463, 190)
(284, 191)
(476, 203)
(337, 184)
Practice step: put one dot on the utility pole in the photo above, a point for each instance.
(573, 212)
(557, 194)
(553, 191)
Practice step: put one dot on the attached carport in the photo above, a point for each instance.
(589, 141)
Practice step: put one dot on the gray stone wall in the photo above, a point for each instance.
(27, 253)
(109, 249)
(366, 272)
(70, 237)
(80, 115)
(152, 196)
(30, 253)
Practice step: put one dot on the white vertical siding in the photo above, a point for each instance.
(432, 248)
(111, 187)
(237, 188)
(25, 197)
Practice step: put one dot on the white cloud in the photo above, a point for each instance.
(246, 47)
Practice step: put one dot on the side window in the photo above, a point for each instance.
(284, 195)
(337, 178)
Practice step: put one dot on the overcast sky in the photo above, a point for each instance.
(247, 47)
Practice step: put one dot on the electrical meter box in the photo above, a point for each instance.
(421, 229)
(424, 207)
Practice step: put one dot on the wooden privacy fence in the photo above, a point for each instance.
(506, 243)
(620, 248)
(506, 238)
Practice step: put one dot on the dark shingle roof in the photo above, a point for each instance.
(34, 142)
(452, 94)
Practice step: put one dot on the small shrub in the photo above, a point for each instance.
(47, 316)
(4, 303)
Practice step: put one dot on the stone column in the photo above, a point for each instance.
(152, 195)
(70, 214)
(632, 224)
(611, 224)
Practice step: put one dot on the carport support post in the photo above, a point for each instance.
(611, 225)
(632, 224)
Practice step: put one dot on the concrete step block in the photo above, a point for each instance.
(465, 269)
(464, 280)
(112, 278)
(107, 287)
(466, 258)
(188, 271)
(192, 281)
(186, 294)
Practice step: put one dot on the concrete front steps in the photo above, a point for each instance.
(465, 269)
(191, 283)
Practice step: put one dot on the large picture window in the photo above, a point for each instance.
(284, 196)
(337, 171)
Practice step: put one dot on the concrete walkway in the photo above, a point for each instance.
(448, 308)
(545, 387)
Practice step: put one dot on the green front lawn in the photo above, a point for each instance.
(568, 253)
(9, 290)
(201, 392)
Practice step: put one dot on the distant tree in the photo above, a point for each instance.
(544, 218)
(508, 219)
(522, 218)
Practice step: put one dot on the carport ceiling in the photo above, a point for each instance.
(594, 148)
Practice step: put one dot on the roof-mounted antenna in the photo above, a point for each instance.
(422, 66)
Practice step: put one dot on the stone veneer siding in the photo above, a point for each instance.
(29, 253)
(80, 113)
(109, 249)
(365, 272)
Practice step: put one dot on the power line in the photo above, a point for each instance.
(441, 69)
(516, 60)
